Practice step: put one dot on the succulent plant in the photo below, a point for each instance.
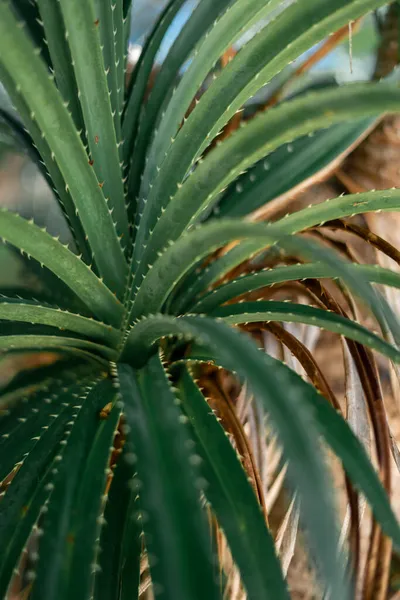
(112, 456)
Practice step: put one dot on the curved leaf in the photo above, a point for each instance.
(337, 433)
(29, 14)
(195, 28)
(54, 120)
(19, 430)
(293, 422)
(254, 312)
(82, 27)
(265, 277)
(33, 312)
(139, 82)
(28, 380)
(232, 498)
(62, 262)
(306, 218)
(70, 523)
(292, 168)
(31, 486)
(60, 343)
(105, 13)
(295, 30)
(40, 153)
(57, 43)
(189, 249)
(229, 25)
(251, 142)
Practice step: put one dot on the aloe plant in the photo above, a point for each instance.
(112, 456)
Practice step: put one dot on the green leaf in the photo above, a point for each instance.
(337, 433)
(301, 220)
(54, 342)
(259, 279)
(40, 152)
(28, 12)
(340, 437)
(54, 30)
(202, 19)
(27, 420)
(251, 142)
(33, 312)
(343, 206)
(28, 380)
(293, 423)
(62, 262)
(131, 553)
(232, 498)
(137, 91)
(295, 30)
(120, 53)
(45, 104)
(83, 32)
(85, 526)
(127, 6)
(14, 133)
(190, 248)
(127, 33)
(27, 493)
(291, 168)
(43, 285)
(105, 12)
(172, 265)
(119, 558)
(260, 311)
(169, 487)
(70, 524)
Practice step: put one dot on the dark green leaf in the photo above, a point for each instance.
(45, 103)
(174, 527)
(30, 488)
(232, 499)
(292, 420)
(70, 524)
(265, 277)
(119, 558)
(291, 168)
(254, 312)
